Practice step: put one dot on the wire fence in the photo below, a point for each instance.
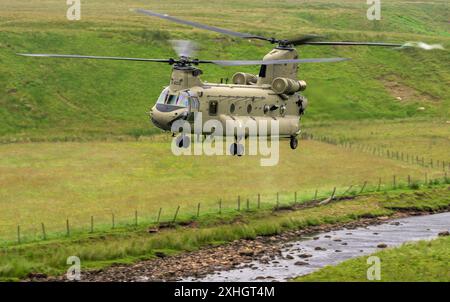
(406, 157)
(185, 215)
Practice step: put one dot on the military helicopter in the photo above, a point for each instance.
(272, 95)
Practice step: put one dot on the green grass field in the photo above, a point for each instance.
(412, 262)
(50, 182)
(76, 141)
(47, 99)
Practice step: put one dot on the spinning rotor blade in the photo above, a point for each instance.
(198, 25)
(353, 43)
(184, 48)
(274, 62)
(94, 57)
(302, 40)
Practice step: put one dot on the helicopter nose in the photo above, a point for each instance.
(163, 116)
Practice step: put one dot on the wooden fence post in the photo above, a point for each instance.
(92, 224)
(248, 204)
(295, 197)
(113, 220)
(259, 201)
(159, 216)
(44, 235)
(19, 240)
(379, 184)
(409, 180)
(198, 210)
(315, 195)
(394, 181)
(176, 214)
(363, 187)
(239, 203)
(278, 200)
(135, 218)
(67, 227)
(220, 206)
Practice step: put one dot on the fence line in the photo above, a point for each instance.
(291, 199)
(440, 165)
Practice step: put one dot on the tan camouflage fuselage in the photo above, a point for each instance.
(250, 97)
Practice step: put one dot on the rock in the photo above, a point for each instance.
(376, 233)
(344, 243)
(327, 236)
(246, 252)
(316, 238)
(260, 278)
(337, 240)
(382, 245)
(444, 233)
(300, 263)
(153, 230)
(421, 108)
(160, 254)
(337, 251)
(318, 248)
(399, 98)
(305, 255)
(289, 257)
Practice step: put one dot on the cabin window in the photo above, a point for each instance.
(249, 108)
(232, 108)
(213, 108)
(262, 71)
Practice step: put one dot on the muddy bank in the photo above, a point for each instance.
(202, 263)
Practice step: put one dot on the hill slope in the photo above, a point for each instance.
(51, 98)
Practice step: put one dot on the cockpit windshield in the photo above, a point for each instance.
(181, 99)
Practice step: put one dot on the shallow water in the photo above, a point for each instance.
(337, 246)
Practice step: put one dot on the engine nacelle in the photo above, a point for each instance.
(287, 86)
(242, 78)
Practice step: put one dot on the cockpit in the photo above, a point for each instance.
(180, 99)
(171, 107)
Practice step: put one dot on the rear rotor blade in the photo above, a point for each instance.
(94, 57)
(199, 25)
(184, 48)
(353, 43)
(274, 62)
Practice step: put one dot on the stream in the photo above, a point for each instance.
(311, 253)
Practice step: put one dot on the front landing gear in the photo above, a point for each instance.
(294, 142)
(237, 149)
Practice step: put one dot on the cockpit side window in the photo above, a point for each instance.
(183, 99)
(172, 99)
(163, 96)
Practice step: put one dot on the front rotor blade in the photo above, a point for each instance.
(199, 25)
(304, 39)
(41, 55)
(354, 44)
(275, 62)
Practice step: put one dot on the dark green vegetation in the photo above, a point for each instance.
(124, 246)
(70, 99)
(412, 262)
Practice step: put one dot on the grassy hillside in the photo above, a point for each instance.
(65, 99)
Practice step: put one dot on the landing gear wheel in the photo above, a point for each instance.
(233, 149)
(293, 143)
(183, 141)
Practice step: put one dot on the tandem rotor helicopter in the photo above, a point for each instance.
(272, 95)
